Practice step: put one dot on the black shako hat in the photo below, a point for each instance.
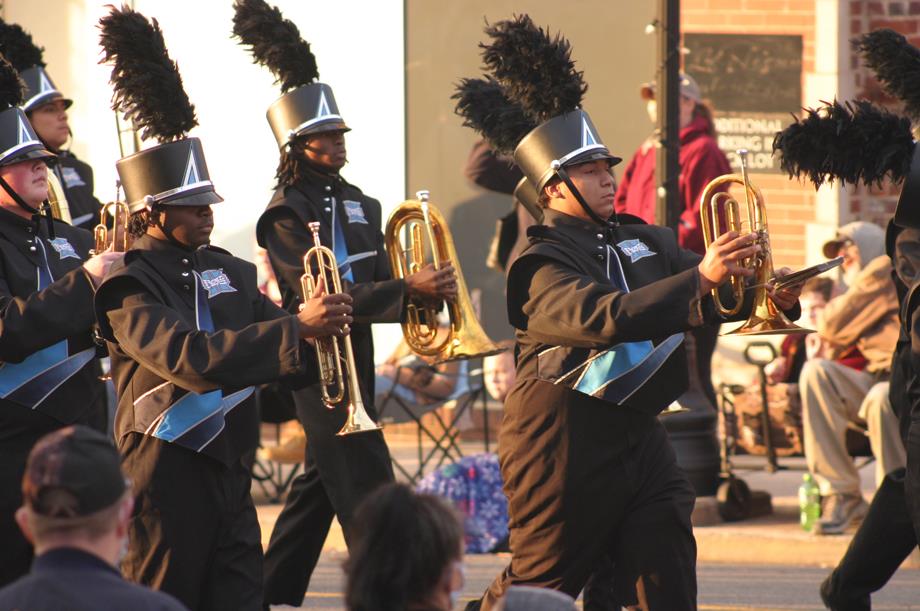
(527, 194)
(306, 106)
(566, 140)
(28, 59)
(530, 103)
(148, 89)
(40, 89)
(72, 472)
(18, 141)
(309, 109)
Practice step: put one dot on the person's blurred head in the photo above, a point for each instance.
(74, 495)
(690, 104)
(50, 123)
(29, 179)
(406, 552)
(858, 243)
(816, 292)
(907, 256)
(499, 371)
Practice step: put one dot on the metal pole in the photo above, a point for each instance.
(667, 164)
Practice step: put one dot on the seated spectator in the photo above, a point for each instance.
(499, 371)
(416, 378)
(76, 510)
(859, 329)
(406, 552)
(798, 348)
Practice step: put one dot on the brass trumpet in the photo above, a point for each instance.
(118, 239)
(411, 222)
(765, 318)
(328, 349)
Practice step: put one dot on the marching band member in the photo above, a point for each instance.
(190, 335)
(599, 303)
(310, 132)
(46, 108)
(47, 375)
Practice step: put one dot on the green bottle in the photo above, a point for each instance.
(809, 503)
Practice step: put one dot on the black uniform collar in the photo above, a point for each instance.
(581, 234)
(69, 558)
(167, 247)
(8, 218)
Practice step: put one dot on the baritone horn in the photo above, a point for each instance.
(409, 226)
(717, 209)
(57, 199)
(333, 378)
(117, 237)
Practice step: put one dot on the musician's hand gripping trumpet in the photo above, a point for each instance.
(765, 318)
(328, 349)
(117, 237)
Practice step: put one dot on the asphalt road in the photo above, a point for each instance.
(721, 587)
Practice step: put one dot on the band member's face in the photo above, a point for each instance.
(50, 123)
(188, 225)
(327, 150)
(594, 180)
(27, 178)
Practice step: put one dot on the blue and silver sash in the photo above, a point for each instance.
(30, 382)
(194, 420)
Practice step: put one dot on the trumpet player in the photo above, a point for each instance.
(190, 335)
(47, 377)
(310, 132)
(587, 467)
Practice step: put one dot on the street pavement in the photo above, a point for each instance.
(721, 587)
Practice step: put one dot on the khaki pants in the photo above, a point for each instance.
(834, 395)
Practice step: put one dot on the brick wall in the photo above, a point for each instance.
(877, 204)
(790, 205)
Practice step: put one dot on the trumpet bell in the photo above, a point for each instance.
(767, 319)
(358, 421)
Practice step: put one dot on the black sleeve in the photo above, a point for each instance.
(378, 301)
(564, 307)
(155, 336)
(490, 171)
(62, 310)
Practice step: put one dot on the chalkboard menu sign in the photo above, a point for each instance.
(754, 84)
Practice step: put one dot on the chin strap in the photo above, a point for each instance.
(45, 207)
(564, 177)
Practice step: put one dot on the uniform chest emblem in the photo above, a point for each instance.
(216, 281)
(64, 249)
(72, 178)
(635, 249)
(354, 212)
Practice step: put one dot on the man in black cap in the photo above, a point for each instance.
(48, 373)
(46, 107)
(310, 132)
(190, 336)
(600, 304)
(76, 509)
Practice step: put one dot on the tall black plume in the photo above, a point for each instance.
(274, 42)
(148, 87)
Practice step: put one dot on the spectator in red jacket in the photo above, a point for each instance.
(701, 160)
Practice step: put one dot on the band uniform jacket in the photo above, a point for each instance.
(48, 375)
(283, 231)
(146, 309)
(77, 180)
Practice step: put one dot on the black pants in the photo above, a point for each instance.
(194, 533)
(912, 478)
(338, 473)
(633, 512)
(705, 339)
(883, 541)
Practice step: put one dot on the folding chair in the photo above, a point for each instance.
(397, 405)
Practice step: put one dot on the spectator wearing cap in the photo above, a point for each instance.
(858, 330)
(76, 509)
(701, 160)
